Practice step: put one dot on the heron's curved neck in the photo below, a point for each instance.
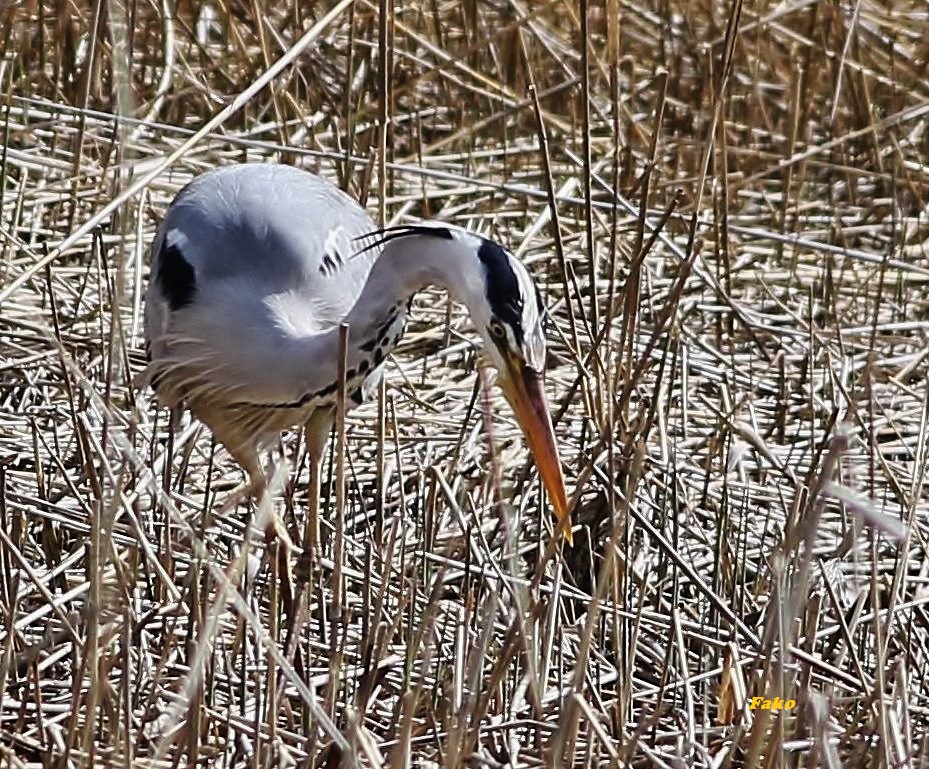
(405, 266)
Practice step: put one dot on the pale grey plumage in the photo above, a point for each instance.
(257, 237)
(273, 253)
(254, 267)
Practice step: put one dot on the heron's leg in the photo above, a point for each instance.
(307, 571)
(317, 433)
(257, 481)
(277, 551)
(256, 487)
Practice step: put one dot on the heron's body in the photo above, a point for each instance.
(277, 283)
(254, 269)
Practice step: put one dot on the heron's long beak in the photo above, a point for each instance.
(522, 387)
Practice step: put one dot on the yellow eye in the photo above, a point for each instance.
(496, 330)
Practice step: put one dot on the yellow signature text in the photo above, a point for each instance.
(760, 703)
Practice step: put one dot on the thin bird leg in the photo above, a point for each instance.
(277, 550)
(256, 487)
(307, 573)
(311, 532)
(277, 541)
(317, 433)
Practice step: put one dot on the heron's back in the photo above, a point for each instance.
(274, 223)
(266, 250)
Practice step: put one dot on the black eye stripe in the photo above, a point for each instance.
(502, 287)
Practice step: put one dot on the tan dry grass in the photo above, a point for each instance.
(740, 365)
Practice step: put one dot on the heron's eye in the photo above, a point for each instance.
(496, 330)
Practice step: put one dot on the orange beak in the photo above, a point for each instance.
(522, 387)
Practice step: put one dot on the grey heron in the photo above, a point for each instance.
(254, 268)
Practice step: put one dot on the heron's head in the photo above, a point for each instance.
(508, 312)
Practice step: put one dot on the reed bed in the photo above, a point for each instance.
(725, 205)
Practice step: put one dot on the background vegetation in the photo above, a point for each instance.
(725, 204)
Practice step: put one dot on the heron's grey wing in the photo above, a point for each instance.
(277, 223)
(250, 278)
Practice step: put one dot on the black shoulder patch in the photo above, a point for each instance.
(176, 277)
(502, 286)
